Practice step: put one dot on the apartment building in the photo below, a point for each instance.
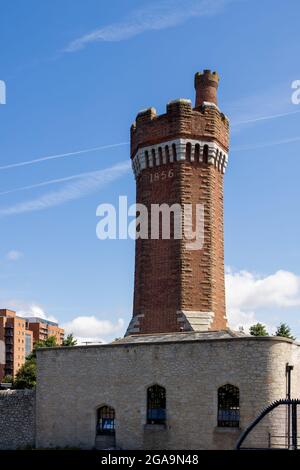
(42, 329)
(17, 337)
(17, 340)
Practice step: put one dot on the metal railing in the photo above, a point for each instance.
(291, 436)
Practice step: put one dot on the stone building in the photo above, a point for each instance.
(180, 378)
(192, 370)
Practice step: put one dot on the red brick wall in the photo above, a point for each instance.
(179, 121)
(169, 277)
(157, 280)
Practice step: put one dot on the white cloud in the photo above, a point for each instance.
(82, 186)
(33, 310)
(239, 319)
(25, 309)
(91, 329)
(14, 255)
(247, 294)
(159, 15)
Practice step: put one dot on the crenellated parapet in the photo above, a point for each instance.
(180, 125)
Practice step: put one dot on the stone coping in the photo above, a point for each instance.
(173, 338)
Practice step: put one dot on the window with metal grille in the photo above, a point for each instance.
(228, 406)
(156, 405)
(106, 420)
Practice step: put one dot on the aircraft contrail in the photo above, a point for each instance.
(61, 155)
(49, 182)
(266, 144)
(264, 118)
(84, 185)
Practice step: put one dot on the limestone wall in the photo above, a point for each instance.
(17, 419)
(74, 382)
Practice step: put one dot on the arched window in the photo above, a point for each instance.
(205, 154)
(174, 152)
(147, 158)
(156, 405)
(167, 152)
(188, 151)
(197, 152)
(106, 421)
(228, 406)
(153, 157)
(160, 156)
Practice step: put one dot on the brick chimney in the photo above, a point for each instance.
(206, 85)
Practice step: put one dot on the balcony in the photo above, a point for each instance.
(9, 333)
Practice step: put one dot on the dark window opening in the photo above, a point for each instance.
(106, 421)
(153, 157)
(160, 156)
(174, 152)
(188, 151)
(156, 405)
(205, 154)
(228, 406)
(167, 154)
(197, 152)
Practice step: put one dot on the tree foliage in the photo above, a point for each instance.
(284, 330)
(50, 342)
(7, 379)
(26, 375)
(69, 340)
(258, 330)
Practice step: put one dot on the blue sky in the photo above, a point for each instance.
(76, 74)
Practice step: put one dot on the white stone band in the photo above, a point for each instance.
(177, 150)
(134, 325)
(195, 321)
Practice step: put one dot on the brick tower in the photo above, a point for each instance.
(180, 158)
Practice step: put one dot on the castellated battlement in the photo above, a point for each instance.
(205, 122)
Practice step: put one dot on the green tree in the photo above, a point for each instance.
(50, 342)
(26, 375)
(284, 330)
(69, 340)
(7, 379)
(258, 330)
